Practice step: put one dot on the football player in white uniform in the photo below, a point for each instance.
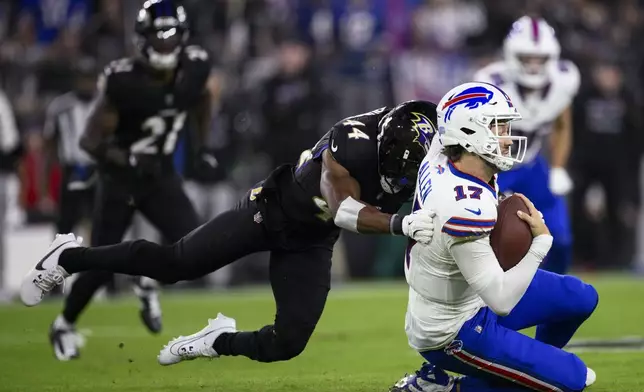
(542, 87)
(464, 311)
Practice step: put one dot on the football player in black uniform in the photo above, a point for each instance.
(355, 178)
(142, 105)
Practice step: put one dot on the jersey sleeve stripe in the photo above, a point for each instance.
(468, 222)
(464, 233)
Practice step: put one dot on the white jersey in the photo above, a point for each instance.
(440, 299)
(540, 108)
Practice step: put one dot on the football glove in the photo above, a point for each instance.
(419, 226)
(207, 168)
(560, 181)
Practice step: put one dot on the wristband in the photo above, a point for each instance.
(395, 224)
(347, 215)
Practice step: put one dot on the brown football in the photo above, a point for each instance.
(511, 237)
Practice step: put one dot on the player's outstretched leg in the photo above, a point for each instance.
(219, 242)
(300, 282)
(556, 304)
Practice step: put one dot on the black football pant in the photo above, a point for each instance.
(300, 279)
(74, 205)
(163, 202)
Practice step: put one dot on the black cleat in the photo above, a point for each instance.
(146, 290)
(66, 343)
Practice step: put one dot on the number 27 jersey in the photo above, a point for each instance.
(150, 118)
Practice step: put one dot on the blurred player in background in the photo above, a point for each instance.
(142, 104)
(542, 86)
(356, 177)
(65, 122)
(464, 311)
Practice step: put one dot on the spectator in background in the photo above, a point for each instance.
(363, 67)
(52, 16)
(10, 150)
(607, 152)
(293, 104)
(104, 37)
(20, 55)
(436, 60)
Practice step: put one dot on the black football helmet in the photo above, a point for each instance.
(404, 137)
(161, 33)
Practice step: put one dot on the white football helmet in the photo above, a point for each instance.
(477, 117)
(530, 50)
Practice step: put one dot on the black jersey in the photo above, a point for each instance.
(353, 143)
(151, 115)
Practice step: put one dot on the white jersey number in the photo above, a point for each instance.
(157, 126)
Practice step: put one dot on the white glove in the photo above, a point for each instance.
(560, 181)
(419, 226)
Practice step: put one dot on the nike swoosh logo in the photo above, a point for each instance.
(39, 265)
(475, 212)
(334, 148)
(174, 349)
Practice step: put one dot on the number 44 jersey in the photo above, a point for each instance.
(299, 206)
(150, 114)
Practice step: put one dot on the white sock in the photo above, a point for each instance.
(61, 323)
(590, 377)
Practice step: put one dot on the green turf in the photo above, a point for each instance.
(359, 344)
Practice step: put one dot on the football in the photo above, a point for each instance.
(511, 237)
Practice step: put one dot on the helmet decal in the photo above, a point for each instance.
(424, 128)
(472, 98)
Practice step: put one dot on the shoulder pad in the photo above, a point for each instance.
(112, 73)
(492, 73)
(569, 77)
(351, 140)
(468, 217)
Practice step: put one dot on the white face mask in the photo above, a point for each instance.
(164, 61)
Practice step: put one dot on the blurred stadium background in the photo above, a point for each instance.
(285, 71)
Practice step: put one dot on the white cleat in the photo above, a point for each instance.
(47, 274)
(591, 377)
(186, 348)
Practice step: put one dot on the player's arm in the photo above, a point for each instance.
(100, 128)
(501, 291)
(342, 193)
(561, 139)
(560, 182)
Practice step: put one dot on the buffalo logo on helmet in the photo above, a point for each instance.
(471, 98)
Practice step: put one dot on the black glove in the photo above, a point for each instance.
(206, 167)
(146, 165)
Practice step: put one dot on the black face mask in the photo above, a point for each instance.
(84, 96)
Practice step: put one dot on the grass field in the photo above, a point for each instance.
(359, 344)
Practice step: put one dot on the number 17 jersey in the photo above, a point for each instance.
(440, 299)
